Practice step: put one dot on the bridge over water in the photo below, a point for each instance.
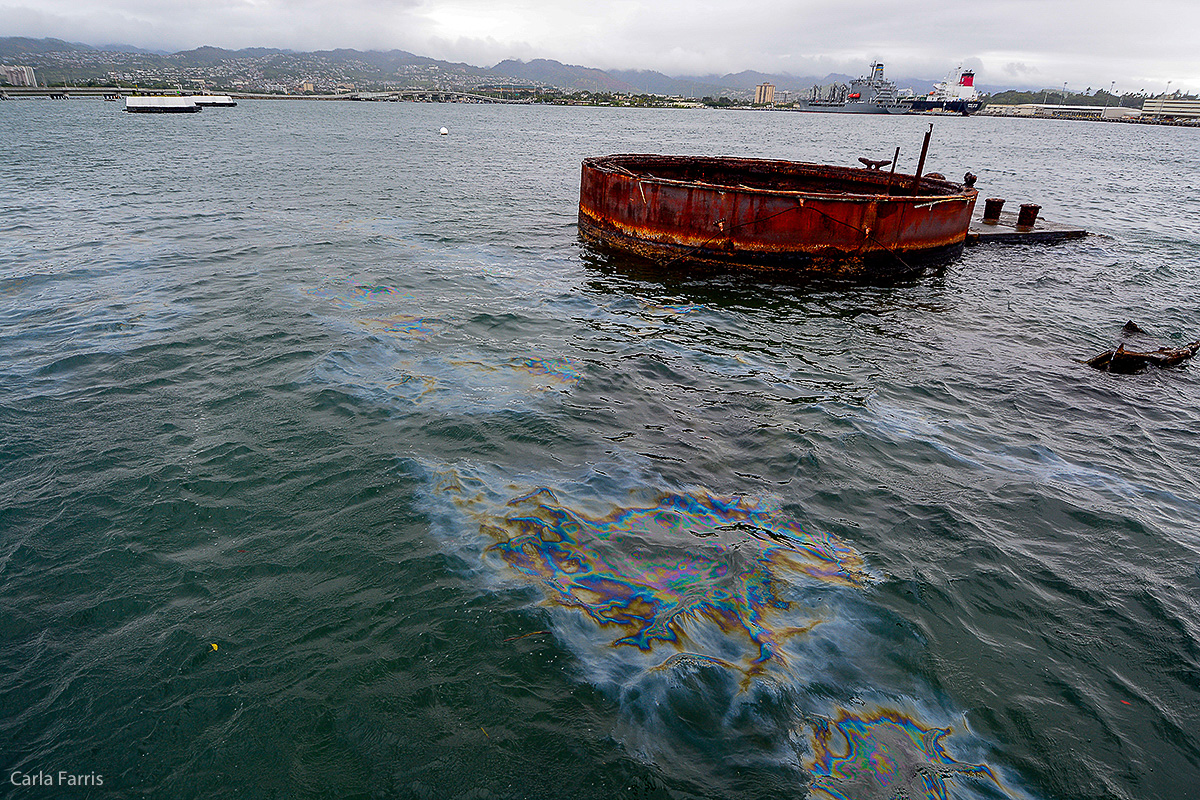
(407, 95)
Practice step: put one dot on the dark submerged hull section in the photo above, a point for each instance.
(806, 219)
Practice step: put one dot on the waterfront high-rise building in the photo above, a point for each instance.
(764, 94)
(19, 76)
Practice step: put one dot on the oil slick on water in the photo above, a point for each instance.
(651, 573)
(403, 356)
(728, 633)
(720, 624)
(884, 753)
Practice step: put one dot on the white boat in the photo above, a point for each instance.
(214, 100)
(161, 105)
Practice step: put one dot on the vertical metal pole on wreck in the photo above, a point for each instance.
(892, 174)
(921, 162)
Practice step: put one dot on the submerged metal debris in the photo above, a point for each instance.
(1126, 362)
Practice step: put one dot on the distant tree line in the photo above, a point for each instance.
(722, 102)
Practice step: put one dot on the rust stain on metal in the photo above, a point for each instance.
(761, 214)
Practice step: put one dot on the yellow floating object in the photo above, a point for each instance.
(214, 647)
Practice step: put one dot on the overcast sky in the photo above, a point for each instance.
(1042, 43)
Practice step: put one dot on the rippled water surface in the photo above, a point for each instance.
(333, 465)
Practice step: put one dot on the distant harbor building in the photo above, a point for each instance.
(19, 76)
(1058, 111)
(1172, 109)
(764, 94)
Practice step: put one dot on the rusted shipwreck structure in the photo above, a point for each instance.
(807, 219)
(1127, 362)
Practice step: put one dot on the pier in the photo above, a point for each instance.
(1005, 230)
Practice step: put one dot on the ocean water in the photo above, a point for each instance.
(332, 464)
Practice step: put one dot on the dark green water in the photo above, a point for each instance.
(332, 465)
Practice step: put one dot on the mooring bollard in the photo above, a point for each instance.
(991, 210)
(1028, 215)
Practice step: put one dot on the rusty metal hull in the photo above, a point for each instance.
(780, 215)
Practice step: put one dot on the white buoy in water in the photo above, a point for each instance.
(444, 132)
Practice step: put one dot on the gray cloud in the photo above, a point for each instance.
(1051, 41)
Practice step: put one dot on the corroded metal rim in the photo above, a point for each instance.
(765, 214)
(871, 183)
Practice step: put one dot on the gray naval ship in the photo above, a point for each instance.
(873, 95)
